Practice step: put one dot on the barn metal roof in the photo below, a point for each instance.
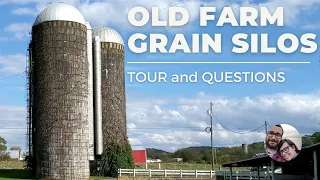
(263, 160)
(137, 148)
(60, 11)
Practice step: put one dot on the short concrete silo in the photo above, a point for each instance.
(60, 93)
(113, 95)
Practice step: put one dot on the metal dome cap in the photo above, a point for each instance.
(59, 12)
(107, 34)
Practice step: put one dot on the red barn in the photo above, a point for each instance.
(139, 154)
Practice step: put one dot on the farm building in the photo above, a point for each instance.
(139, 154)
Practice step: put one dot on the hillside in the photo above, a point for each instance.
(155, 151)
(202, 154)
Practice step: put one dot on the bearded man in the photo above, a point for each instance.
(273, 138)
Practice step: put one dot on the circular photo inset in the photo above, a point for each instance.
(283, 142)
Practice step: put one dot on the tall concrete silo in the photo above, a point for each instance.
(112, 86)
(60, 93)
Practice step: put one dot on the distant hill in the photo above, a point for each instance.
(202, 154)
(156, 153)
(204, 148)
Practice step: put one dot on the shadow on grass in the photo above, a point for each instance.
(15, 174)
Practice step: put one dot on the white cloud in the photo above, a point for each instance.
(4, 39)
(285, 69)
(24, 2)
(95, 12)
(135, 141)
(292, 9)
(13, 125)
(134, 68)
(314, 26)
(12, 64)
(18, 27)
(174, 123)
(24, 11)
(105, 12)
(20, 30)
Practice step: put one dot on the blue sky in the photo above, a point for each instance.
(180, 108)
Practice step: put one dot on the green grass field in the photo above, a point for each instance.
(12, 170)
(14, 174)
(10, 174)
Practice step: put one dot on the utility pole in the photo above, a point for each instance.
(211, 130)
(265, 125)
(215, 154)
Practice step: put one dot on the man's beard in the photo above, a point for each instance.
(270, 146)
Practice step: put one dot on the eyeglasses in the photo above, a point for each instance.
(286, 149)
(277, 135)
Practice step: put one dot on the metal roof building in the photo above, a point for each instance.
(304, 166)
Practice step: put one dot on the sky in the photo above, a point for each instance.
(170, 116)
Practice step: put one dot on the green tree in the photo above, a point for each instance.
(163, 157)
(316, 138)
(4, 155)
(114, 158)
(3, 143)
(307, 141)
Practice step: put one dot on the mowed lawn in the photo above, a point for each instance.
(10, 174)
(13, 170)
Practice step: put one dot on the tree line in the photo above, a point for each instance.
(202, 154)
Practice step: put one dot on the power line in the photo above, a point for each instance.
(269, 125)
(23, 73)
(235, 131)
(11, 60)
(12, 134)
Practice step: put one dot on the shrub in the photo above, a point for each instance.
(115, 158)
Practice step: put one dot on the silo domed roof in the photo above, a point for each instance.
(107, 34)
(60, 11)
